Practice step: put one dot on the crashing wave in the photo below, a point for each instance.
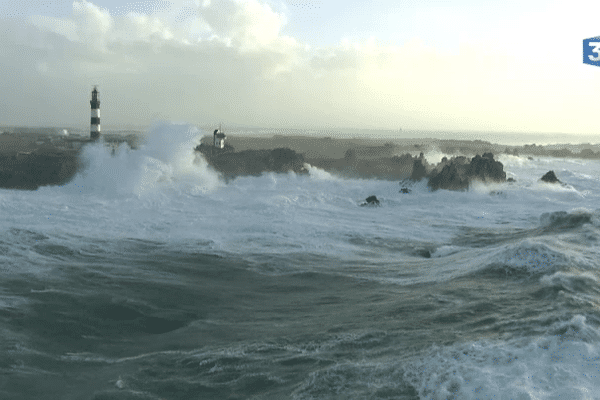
(565, 220)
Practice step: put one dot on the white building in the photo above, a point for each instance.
(219, 139)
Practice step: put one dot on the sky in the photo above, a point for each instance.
(460, 65)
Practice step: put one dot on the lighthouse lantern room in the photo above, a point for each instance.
(95, 120)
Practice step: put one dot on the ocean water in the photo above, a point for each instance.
(148, 277)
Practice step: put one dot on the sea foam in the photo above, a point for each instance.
(562, 365)
(166, 160)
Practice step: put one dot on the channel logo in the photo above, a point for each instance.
(591, 51)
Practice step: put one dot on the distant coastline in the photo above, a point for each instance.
(34, 157)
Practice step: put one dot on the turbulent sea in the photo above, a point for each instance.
(148, 277)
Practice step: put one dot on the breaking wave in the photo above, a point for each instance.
(166, 160)
(565, 220)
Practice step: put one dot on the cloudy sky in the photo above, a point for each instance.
(446, 64)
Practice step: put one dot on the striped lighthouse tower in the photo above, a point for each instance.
(95, 121)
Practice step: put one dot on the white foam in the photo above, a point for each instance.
(510, 161)
(486, 187)
(319, 174)
(530, 255)
(166, 160)
(434, 155)
(11, 302)
(553, 366)
(444, 251)
(567, 279)
(164, 192)
(563, 363)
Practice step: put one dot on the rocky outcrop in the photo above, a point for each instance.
(418, 171)
(253, 162)
(30, 170)
(371, 201)
(402, 166)
(405, 190)
(284, 159)
(550, 177)
(458, 172)
(484, 168)
(451, 177)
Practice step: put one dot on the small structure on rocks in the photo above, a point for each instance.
(219, 138)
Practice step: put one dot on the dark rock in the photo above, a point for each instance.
(350, 156)
(403, 159)
(486, 169)
(253, 162)
(588, 153)
(30, 170)
(457, 174)
(284, 159)
(460, 160)
(405, 190)
(510, 180)
(495, 193)
(371, 201)
(450, 177)
(549, 177)
(423, 253)
(419, 171)
(530, 158)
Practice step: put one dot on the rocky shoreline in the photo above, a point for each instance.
(232, 164)
(30, 170)
(454, 174)
(29, 160)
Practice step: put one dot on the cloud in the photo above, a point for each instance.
(231, 60)
(93, 24)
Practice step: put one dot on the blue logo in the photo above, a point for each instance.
(591, 51)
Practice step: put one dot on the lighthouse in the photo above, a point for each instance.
(95, 121)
